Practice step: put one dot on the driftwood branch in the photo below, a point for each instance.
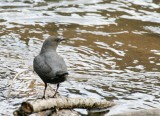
(15, 77)
(27, 108)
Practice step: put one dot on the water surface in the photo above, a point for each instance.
(112, 52)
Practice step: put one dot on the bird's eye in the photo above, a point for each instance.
(57, 40)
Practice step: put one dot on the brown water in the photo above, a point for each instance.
(112, 52)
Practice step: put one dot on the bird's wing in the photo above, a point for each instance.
(56, 62)
(41, 66)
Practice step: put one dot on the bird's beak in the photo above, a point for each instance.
(62, 39)
(59, 39)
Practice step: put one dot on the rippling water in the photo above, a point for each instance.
(112, 52)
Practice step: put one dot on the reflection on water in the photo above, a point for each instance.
(112, 50)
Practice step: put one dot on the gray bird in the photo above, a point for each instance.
(50, 67)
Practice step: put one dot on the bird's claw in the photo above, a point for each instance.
(43, 97)
(53, 96)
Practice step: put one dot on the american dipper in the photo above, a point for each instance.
(49, 66)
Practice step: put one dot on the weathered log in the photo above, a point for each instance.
(27, 108)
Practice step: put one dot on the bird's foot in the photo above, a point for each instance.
(53, 96)
(50, 96)
(43, 97)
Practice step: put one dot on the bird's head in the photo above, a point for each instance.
(51, 43)
(54, 39)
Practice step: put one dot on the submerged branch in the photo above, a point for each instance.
(61, 103)
(17, 75)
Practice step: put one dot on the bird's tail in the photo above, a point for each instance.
(62, 73)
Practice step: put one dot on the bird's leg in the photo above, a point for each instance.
(56, 90)
(44, 91)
